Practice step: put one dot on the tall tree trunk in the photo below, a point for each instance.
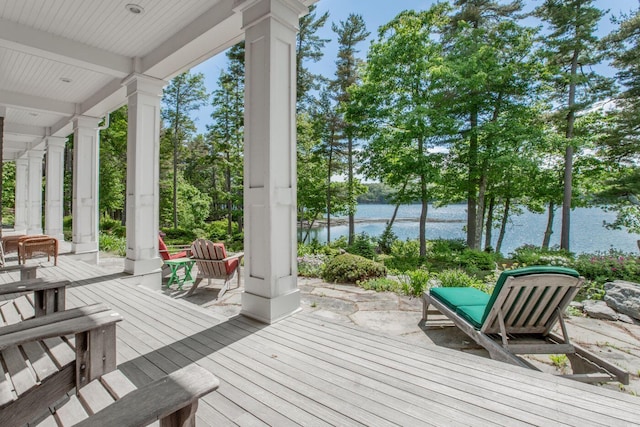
(481, 208)
(229, 199)
(472, 200)
(549, 230)
(352, 227)
(175, 161)
(329, 190)
(568, 155)
(68, 172)
(503, 224)
(489, 225)
(425, 205)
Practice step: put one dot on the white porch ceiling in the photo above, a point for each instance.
(60, 58)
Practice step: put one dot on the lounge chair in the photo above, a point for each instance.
(517, 318)
(168, 254)
(213, 263)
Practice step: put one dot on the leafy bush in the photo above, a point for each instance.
(386, 240)
(405, 256)
(458, 278)
(381, 284)
(363, 245)
(349, 268)
(533, 255)
(112, 244)
(477, 260)
(112, 226)
(417, 283)
(311, 265)
(179, 236)
(445, 250)
(605, 267)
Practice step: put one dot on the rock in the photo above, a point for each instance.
(626, 319)
(599, 310)
(623, 297)
(577, 305)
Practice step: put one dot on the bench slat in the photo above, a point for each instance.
(94, 397)
(117, 384)
(41, 363)
(31, 285)
(10, 314)
(53, 318)
(25, 309)
(71, 412)
(6, 388)
(61, 352)
(22, 377)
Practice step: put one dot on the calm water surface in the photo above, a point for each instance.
(588, 233)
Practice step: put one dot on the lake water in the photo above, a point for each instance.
(588, 233)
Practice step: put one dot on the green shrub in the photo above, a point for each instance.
(453, 278)
(349, 268)
(405, 256)
(67, 222)
(112, 244)
(179, 236)
(609, 266)
(311, 265)
(381, 284)
(533, 255)
(363, 245)
(386, 240)
(339, 243)
(445, 250)
(476, 260)
(418, 282)
(217, 230)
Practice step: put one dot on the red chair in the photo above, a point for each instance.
(213, 263)
(166, 254)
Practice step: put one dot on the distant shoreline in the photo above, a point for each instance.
(344, 221)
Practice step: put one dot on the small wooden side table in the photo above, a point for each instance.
(175, 265)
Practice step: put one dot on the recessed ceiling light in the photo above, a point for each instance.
(65, 79)
(135, 9)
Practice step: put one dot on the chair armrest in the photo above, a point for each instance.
(26, 272)
(156, 400)
(58, 324)
(32, 285)
(239, 255)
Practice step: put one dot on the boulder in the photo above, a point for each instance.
(623, 297)
(599, 310)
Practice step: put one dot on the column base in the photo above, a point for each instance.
(79, 248)
(88, 257)
(34, 231)
(138, 267)
(151, 280)
(270, 310)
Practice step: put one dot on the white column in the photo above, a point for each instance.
(34, 191)
(143, 178)
(85, 187)
(21, 212)
(54, 187)
(271, 290)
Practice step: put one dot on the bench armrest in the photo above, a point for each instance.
(174, 395)
(26, 272)
(32, 285)
(58, 324)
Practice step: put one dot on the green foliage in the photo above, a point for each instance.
(112, 244)
(445, 250)
(179, 235)
(311, 265)
(459, 278)
(533, 255)
(113, 227)
(405, 256)
(363, 245)
(386, 240)
(475, 260)
(560, 361)
(605, 267)
(418, 282)
(349, 268)
(381, 284)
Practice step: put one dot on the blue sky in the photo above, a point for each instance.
(375, 14)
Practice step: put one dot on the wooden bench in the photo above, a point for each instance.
(26, 272)
(40, 297)
(61, 370)
(27, 247)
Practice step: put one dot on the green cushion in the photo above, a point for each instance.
(523, 272)
(472, 313)
(456, 297)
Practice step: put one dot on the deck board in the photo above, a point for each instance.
(305, 370)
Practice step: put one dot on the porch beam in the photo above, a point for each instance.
(271, 291)
(143, 178)
(85, 188)
(54, 187)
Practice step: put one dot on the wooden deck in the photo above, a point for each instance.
(309, 371)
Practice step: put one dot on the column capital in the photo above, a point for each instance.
(141, 83)
(54, 142)
(35, 154)
(287, 12)
(86, 122)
